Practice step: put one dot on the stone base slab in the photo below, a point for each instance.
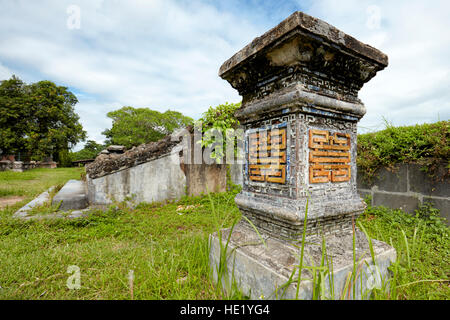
(72, 196)
(262, 271)
(40, 200)
(48, 165)
(283, 218)
(24, 213)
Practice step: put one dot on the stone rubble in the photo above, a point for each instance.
(112, 160)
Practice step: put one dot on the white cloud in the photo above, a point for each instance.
(159, 54)
(5, 73)
(414, 87)
(166, 54)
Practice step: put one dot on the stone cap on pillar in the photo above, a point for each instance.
(302, 59)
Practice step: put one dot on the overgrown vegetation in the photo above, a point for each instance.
(425, 144)
(38, 120)
(164, 244)
(422, 243)
(214, 125)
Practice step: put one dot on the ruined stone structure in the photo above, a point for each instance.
(299, 83)
(152, 172)
(20, 166)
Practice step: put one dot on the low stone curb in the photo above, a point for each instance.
(23, 213)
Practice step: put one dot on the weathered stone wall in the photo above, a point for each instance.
(152, 172)
(112, 162)
(236, 175)
(204, 178)
(157, 180)
(20, 166)
(407, 188)
(201, 177)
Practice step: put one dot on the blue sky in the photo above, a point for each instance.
(165, 54)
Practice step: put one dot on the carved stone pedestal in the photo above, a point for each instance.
(269, 269)
(299, 82)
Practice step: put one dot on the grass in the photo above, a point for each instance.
(165, 246)
(31, 183)
(422, 270)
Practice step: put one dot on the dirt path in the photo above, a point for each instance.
(9, 201)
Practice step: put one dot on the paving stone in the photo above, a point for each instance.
(72, 196)
(40, 200)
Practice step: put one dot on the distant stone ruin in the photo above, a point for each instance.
(20, 166)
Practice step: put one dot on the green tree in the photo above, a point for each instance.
(38, 119)
(135, 126)
(14, 115)
(215, 122)
(54, 125)
(90, 151)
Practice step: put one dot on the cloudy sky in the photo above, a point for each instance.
(165, 54)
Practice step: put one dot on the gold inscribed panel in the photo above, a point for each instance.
(329, 156)
(267, 156)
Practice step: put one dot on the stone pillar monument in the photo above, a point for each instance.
(299, 82)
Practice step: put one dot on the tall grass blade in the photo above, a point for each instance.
(372, 253)
(354, 255)
(256, 230)
(405, 239)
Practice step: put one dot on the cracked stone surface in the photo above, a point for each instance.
(262, 267)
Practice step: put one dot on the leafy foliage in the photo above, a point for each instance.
(215, 122)
(38, 119)
(13, 116)
(422, 245)
(90, 151)
(135, 126)
(426, 144)
(55, 124)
